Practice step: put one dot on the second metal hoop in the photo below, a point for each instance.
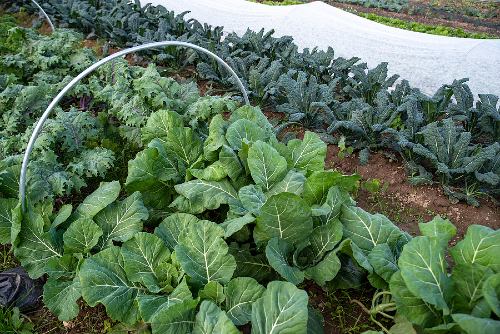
(92, 68)
(44, 14)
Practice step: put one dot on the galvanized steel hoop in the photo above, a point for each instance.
(44, 14)
(55, 101)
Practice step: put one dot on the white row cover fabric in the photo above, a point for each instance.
(427, 61)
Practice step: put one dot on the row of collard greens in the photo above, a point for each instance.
(448, 138)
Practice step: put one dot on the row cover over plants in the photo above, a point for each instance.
(332, 96)
(206, 221)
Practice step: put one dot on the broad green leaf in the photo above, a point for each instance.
(216, 136)
(61, 296)
(172, 226)
(184, 146)
(214, 172)
(149, 305)
(281, 309)
(241, 292)
(35, 246)
(315, 322)
(159, 125)
(367, 230)
(480, 245)
(491, 293)
(334, 201)
(122, 219)
(182, 204)
(319, 182)
(292, 183)
(209, 194)
(147, 261)
(212, 320)
(473, 325)
(231, 162)
(150, 173)
(234, 225)
(308, 154)
(286, 216)
(325, 270)
(468, 283)
(423, 268)
(176, 319)
(203, 253)
(250, 265)
(383, 261)
(439, 228)
(62, 267)
(63, 215)
(242, 130)
(252, 198)
(6, 218)
(266, 165)
(213, 291)
(106, 194)
(324, 238)
(81, 236)
(413, 308)
(253, 114)
(278, 251)
(103, 280)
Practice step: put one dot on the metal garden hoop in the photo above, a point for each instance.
(44, 14)
(55, 101)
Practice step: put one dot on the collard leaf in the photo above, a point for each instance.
(231, 162)
(252, 198)
(367, 230)
(266, 165)
(423, 268)
(172, 226)
(81, 236)
(308, 154)
(253, 114)
(325, 270)
(324, 238)
(213, 291)
(159, 125)
(63, 214)
(473, 325)
(121, 220)
(468, 283)
(292, 183)
(103, 280)
(149, 305)
(491, 292)
(439, 228)
(410, 306)
(480, 245)
(6, 218)
(334, 201)
(383, 261)
(285, 216)
(234, 225)
(281, 309)
(243, 130)
(106, 194)
(315, 322)
(209, 194)
(216, 136)
(203, 253)
(178, 318)
(62, 267)
(214, 172)
(184, 146)
(319, 182)
(35, 246)
(250, 265)
(278, 251)
(241, 292)
(61, 296)
(212, 320)
(147, 261)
